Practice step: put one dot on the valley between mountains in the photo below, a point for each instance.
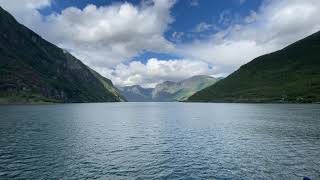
(33, 70)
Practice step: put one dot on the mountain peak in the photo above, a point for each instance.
(168, 90)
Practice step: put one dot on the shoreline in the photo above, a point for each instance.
(191, 102)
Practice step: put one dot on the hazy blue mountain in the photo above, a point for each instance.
(168, 90)
(33, 70)
(289, 75)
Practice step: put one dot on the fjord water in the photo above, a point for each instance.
(160, 141)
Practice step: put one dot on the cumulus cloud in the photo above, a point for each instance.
(275, 25)
(156, 71)
(100, 36)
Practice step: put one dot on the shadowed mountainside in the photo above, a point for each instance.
(33, 70)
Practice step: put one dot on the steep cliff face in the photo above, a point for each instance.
(34, 70)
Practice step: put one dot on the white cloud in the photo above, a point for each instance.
(25, 11)
(156, 71)
(203, 26)
(17, 6)
(229, 53)
(275, 25)
(177, 36)
(100, 36)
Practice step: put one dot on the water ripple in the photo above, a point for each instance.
(160, 141)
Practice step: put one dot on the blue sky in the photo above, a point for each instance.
(150, 41)
(188, 16)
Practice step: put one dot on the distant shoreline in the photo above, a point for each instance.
(194, 102)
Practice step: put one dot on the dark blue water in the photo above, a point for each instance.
(160, 141)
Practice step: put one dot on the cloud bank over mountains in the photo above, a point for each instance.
(108, 37)
(156, 71)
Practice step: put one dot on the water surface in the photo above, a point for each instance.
(160, 141)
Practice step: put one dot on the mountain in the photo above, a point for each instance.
(165, 91)
(33, 70)
(168, 90)
(136, 93)
(180, 91)
(289, 75)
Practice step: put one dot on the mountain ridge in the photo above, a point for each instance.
(136, 93)
(34, 70)
(291, 74)
(168, 90)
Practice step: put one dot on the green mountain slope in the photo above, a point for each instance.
(180, 91)
(33, 70)
(289, 75)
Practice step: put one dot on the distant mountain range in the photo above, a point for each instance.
(136, 93)
(168, 90)
(33, 70)
(289, 75)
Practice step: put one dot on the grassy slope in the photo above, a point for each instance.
(193, 85)
(288, 75)
(180, 91)
(108, 85)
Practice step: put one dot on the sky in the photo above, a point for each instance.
(146, 42)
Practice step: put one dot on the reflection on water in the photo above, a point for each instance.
(160, 141)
